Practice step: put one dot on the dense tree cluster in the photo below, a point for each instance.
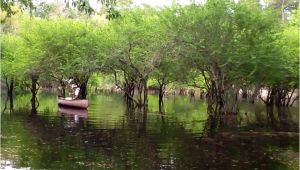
(220, 46)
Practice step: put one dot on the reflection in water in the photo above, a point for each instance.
(110, 136)
(73, 112)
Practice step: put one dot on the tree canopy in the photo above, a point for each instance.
(219, 46)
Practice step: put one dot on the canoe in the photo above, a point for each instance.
(77, 103)
(70, 112)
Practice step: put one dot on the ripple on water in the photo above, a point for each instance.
(108, 137)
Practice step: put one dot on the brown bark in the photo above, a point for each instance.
(145, 93)
(160, 98)
(255, 93)
(142, 95)
(83, 90)
(222, 95)
(62, 93)
(128, 88)
(278, 96)
(34, 90)
(161, 95)
(11, 98)
(271, 118)
(269, 101)
(10, 89)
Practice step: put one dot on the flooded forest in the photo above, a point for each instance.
(116, 84)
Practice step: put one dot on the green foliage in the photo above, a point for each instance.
(13, 60)
(135, 48)
(62, 48)
(219, 41)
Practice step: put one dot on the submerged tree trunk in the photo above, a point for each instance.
(231, 100)
(244, 94)
(222, 94)
(34, 89)
(5, 105)
(145, 93)
(271, 118)
(128, 87)
(283, 118)
(142, 95)
(129, 93)
(10, 89)
(161, 96)
(192, 92)
(11, 98)
(62, 91)
(280, 97)
(269, 101)
(212, 124)
(139, 95)
(255, 93)
(284, 96)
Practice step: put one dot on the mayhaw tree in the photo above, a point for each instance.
(69, 49)
(136, 51)
(282, 82)
(34, 54)
(213, 38)
(12, 63)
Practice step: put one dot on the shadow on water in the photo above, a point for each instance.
(109, 136)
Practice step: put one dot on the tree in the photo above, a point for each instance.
(68, 49)
(81, 5)
(136, 51)
(12, 62)
(284, 80)
(226, 42)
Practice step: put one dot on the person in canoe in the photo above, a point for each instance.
(60, 92)
(73, 99)
(75, 91)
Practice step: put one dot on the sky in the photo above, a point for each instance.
(154, 3)
(160, 3)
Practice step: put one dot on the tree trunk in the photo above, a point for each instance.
(62, 91)
(145, 93)
(11, 98)
(223, 94)
(244, 94)
(283, 118)
(255, 93)
(129, 93)
(271, 118)
(289, 97)
(140, 91)
(269, 102)
(10, 89)
(34, 90)
(231, 100)
(83, 90)
(181, 91)
(160, 97)
(5, 105)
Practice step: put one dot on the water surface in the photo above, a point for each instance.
(110, 136)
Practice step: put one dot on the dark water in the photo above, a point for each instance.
(109, 137)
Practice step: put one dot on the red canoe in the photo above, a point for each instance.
(78, 103)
